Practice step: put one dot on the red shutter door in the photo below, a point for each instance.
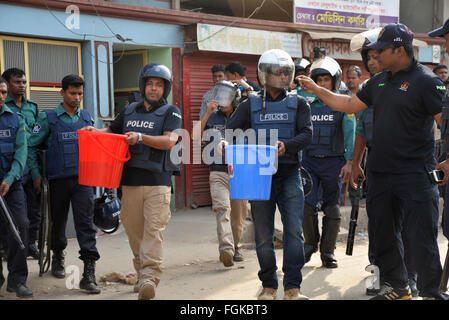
(197, 79)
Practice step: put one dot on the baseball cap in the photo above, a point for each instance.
(392, 34)
(441, 31)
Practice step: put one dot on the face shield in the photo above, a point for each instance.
(224, 93)
(276, 69)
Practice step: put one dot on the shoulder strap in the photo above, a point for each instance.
(51, 116)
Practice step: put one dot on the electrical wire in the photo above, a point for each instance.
(229, 25)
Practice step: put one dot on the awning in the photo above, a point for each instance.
(316, 35)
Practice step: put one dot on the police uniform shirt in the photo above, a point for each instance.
(20, 149)
(28, 110)
(141, 177)
(241, 119)
(40, 134)
(404, 108)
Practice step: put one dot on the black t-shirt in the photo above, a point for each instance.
(141, 177)
(241, 119)
(404, 108)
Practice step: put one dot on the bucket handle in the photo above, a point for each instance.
(109, 153)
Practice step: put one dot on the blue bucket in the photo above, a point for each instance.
(250, 168)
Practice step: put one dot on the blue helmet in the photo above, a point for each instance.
(155, 70)
(107, 213)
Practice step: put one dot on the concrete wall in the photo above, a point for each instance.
(423, 16)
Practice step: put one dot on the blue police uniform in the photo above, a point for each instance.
(12, 162)
(295, 130)
(57, 129)
(332, 145)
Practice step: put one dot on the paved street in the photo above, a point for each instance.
(192, 270)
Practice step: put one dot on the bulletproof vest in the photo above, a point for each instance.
(280, 116)
(445, 123)
(148, 123)
(368, 122)
(63, 155)
(328, 139)
(9, 124)
(217, 121)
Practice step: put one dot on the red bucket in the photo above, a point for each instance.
(101, 158)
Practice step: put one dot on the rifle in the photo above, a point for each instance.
(445, 277)
(6, 214)
(45, 226)
(353, 220)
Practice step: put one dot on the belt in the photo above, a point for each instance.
(219, 167)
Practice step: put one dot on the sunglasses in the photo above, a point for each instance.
(279, 72)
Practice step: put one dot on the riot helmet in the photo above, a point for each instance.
(301, 64)
(155, 70)
(362, 40)
(327, 65)
(107, 213)
(224, 92)
(276, 69)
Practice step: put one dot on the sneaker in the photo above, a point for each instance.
(294, 294)
(267, 294)
(390, 293)
(147, 291)
(226, 259)
(238, 256)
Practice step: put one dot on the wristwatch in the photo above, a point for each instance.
(139, 139)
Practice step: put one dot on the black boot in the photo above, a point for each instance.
(331, 227)
(57, 264)
(310, 231)
(88, 283)
(33, 251)
(2, 278)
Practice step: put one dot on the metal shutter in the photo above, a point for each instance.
(50, 63)
(46, 99)
(14, 54)
(197, 79)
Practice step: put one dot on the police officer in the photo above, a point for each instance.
(13, 156)
(406, 100)
(275, 108)
(56, 128)
(302, 68)
(230, 214)
(16, 100)
(363, 140)
(146, 178)
(327, 159)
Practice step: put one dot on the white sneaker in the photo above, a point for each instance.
(294, 294)
(267, 294)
